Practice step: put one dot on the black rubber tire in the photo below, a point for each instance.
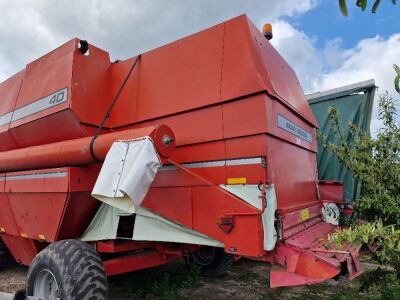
(217, 266)
(5, 257)
(77, 268)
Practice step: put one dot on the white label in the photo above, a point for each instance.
(289, 126)
(44, 103)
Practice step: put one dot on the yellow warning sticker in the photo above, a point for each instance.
(304, 214)
(42, 237)
(237, 180)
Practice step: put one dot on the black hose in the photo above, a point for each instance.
(108, 113)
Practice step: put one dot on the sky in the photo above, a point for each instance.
(326, 49)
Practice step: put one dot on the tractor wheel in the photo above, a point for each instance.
(5, 258)
(211, 261)
(67, 270)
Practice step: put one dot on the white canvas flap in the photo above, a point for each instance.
(127, 173)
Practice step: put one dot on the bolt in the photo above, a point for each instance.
(167, 140)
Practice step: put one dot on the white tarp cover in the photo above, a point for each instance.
(128, 170)
(251, 194)
(148, 226)
(124, 180)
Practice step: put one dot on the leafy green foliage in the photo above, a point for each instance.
(397, 78)
(361, 4)
(343, 7)
(386, 240)
(374, 162)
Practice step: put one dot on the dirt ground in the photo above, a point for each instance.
(246, 280)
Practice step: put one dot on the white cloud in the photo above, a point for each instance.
(299, 50)
(334, 65)
(31, 28)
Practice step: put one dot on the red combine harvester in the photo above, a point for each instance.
(204, 148)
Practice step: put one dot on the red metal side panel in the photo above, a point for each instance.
(22, 249)
(43, 80)
(91, 93)
(7, 219)
(37, 200)
(172, 203)
(242, 72)
(48, 204)
(331, 190)
(63, 125)
(80, 207)
(245, 117)
(82, 179)
(190, 128)
(38, 214)
(9, 92)
(249, 146)
(79, 211)
(209, 204)
(182, 75)
(200, 152)
(47, 59)
(293, 172)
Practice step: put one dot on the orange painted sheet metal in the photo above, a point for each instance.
(57, 88)
(58, 200)
(78, 152)
(23, 250)
(224, 62)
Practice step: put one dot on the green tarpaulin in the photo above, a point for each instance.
(354, 103)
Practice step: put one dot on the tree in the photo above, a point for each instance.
(376, 163)
(361, 4)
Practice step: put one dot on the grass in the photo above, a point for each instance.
(378, 284)
(160, 285)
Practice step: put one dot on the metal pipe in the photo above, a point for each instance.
(77, 151)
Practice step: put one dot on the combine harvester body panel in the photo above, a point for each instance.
(239, 162)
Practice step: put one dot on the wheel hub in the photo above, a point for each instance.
(46, 286)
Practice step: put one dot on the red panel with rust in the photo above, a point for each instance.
(7, 219)
(48, 204)
(29, 197)
(38, 214)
